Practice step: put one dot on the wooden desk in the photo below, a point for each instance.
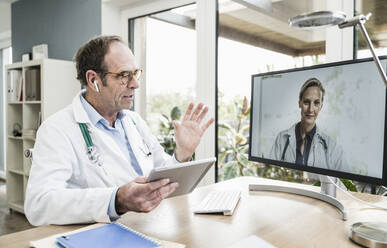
(285, 220)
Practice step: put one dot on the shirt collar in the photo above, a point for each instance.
(309, 135)
(93, 115)
(312, 132)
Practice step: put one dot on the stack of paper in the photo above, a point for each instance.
(33, 84)
(14, 85)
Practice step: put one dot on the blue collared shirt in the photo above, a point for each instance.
(119, 136)
(302, 158)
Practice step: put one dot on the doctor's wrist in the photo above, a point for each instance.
(119, 203)
(182, 156)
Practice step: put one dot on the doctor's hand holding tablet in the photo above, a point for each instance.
(142, 196)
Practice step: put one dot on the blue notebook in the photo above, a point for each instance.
(112, 235)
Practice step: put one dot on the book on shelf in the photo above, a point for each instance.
(39, 120)
(20, 90)
(32, 84)
(13, 85)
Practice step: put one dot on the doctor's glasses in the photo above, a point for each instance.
(126, 76)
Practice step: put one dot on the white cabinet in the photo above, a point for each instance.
(35, 90)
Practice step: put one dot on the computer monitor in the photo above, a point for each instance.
(340, 133)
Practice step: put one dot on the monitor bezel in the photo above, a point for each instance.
(322, 171)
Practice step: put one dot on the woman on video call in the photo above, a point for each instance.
(303, 143)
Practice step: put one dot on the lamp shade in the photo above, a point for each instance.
(319, 19)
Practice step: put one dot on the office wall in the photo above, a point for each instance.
(63, 25)
(111, 20)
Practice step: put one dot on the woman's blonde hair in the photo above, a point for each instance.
(310, 83)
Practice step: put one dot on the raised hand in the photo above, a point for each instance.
(188, 133)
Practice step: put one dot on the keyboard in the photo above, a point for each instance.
(219, 201)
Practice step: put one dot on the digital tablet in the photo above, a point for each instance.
(188, 174)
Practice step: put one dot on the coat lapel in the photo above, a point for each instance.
(291, 150)
(137, 143)
(110, 152)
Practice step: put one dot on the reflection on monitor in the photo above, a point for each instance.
(327, 119)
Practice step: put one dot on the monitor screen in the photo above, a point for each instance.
(328, 119)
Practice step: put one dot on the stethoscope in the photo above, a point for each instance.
(92, 151)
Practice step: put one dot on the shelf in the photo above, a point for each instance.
(28, 138)
(14, 66)
(32, 63)
(51, 76)
(28, 144)
(15, 151)
(31, 116)
(17, 205)
(15, 138)
(16, 172)
(32, 102)
(15, 191)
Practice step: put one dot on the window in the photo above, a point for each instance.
(376, 27)
(171, 68)
(254, 40)
(165, 45)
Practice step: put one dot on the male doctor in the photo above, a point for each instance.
(91, 159)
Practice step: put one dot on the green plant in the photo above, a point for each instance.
(163, 103)
(233, 159)
(350, 185)
(166, 137)
(233, 146)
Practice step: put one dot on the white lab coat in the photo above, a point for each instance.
(324, 151)
(65, 186)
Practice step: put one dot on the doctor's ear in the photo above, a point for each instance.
(95, 82)
(92, 80)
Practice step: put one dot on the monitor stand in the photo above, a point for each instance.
(328, 192)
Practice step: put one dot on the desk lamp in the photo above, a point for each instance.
(322, 19)
(369, 234)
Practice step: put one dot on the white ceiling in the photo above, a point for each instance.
(122, 3)
(5, 10)
(253, 23)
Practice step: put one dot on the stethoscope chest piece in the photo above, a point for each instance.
(92, 151)
(94, 156)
